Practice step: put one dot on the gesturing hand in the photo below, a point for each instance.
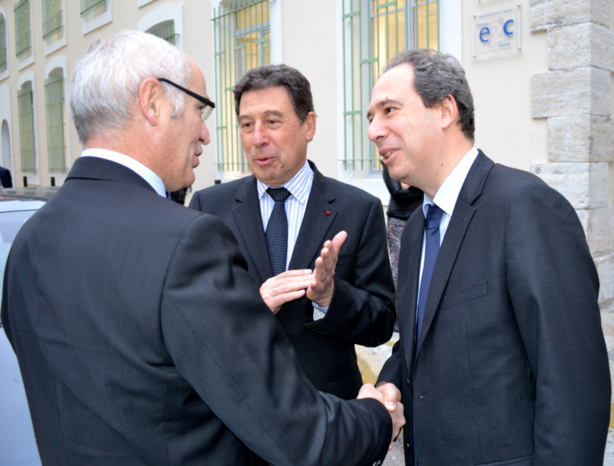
(322, 286)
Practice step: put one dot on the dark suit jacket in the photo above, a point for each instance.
(362, 310)
(511, 365)
(5, 178)
(142, 340)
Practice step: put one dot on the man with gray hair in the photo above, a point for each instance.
(501, 357)
(140, 335)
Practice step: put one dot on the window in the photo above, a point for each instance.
(374, 31)
(26, 128)
(93, 8)
(165, 30)
(242, 42)
(3, 50)
(52, 18)
(56, 121)
(23, 40)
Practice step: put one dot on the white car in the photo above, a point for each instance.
(17, 443)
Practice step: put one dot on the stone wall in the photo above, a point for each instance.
(574, 95)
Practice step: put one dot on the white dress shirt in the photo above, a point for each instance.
(299, 187)
(137, 167)
(446, 198)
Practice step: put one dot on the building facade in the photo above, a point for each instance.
(540, 71)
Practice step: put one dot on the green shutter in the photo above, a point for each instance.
(54, 99)
(241, 42)
(26, 129)
(2, 43)
(93, 7)
(374, 31)
(22, 27)
(52, 17)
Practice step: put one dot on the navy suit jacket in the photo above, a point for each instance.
(362, 309)
(511, 366)
(142, 340)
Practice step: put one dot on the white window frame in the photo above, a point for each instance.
(170, 12)
(89, 25)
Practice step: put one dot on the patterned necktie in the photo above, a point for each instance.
(277, 230)
(433, 219)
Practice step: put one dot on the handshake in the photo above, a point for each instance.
(390, 396)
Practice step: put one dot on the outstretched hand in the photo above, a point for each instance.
(322, 286)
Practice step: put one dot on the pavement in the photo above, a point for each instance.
(371, 360)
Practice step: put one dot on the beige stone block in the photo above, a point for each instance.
(581, 45)
(570, 92)
(602, 137)
(537, 16)
(580, 138)
(599, 231)
(605, 270)
(585, 185)
(552, 13)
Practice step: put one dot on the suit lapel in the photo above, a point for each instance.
(319, 216)
(247, 215)
(409, 262)
(457, 228)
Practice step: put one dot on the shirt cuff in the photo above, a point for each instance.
(319, 312)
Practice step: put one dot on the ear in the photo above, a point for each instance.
(449, 111)
(151, 97)
(310, 121)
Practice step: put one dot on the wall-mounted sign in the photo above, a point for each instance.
(497, 33)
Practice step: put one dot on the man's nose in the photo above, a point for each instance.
(260, 136)
(205, 137)
(376, 129)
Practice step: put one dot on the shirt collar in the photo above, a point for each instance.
(447, 194)
(147, 174)
(293, 185)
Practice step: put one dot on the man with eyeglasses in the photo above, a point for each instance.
(140, 335)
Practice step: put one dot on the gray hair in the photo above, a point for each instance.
(106, 82)
(437, 75)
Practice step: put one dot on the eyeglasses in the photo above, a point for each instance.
(209, 105)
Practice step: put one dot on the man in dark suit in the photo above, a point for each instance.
(501, 358)
(139, 333)
(335, 230)
(5, 178)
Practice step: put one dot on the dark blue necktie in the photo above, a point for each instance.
(277, 230)
(433, 219)
(431, 249)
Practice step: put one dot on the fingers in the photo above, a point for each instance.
(338, 241)
(398, 421)
(387, 394)
(285, 287)
(322, 287)
(391, 395)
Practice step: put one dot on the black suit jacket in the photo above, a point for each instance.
(511, 366)
(143, 340)
(362, 310)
